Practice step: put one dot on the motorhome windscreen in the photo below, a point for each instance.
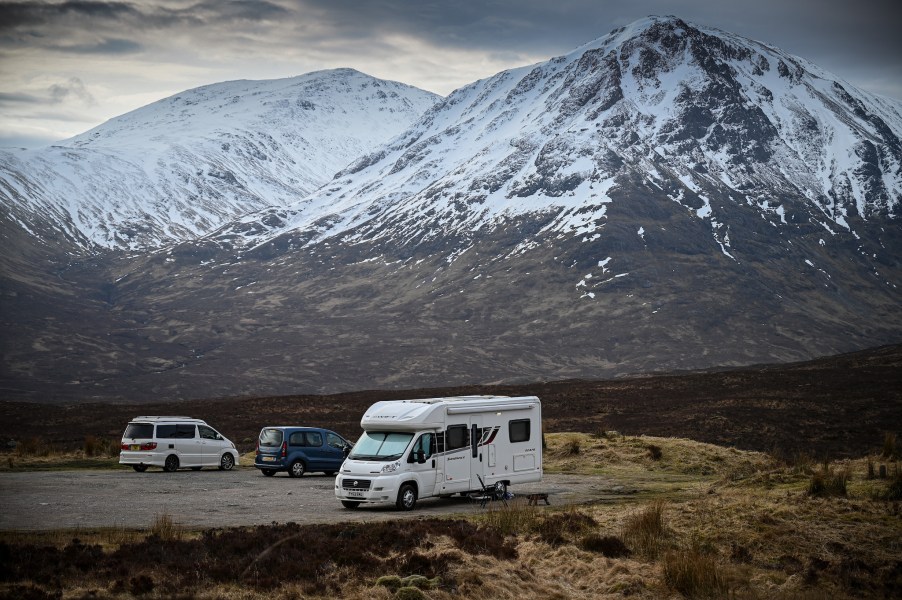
(380, 445)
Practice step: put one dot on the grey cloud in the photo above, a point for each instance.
(107, 46)
(72, 88)
(57, 93)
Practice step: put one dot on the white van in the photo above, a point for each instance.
(173, 443)
(414, 449)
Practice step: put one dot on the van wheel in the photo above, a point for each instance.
(172, 463)
(407, 497)
(227, 462)
(268, 472)
(139, 468)
(297, 469)
(350, 504)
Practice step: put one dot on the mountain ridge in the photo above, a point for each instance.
(179, 167)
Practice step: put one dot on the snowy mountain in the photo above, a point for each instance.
(710, 119)
(178, 168)
(666, 197)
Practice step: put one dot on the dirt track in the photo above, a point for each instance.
(211, 498)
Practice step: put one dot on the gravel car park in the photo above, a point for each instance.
(242, 496)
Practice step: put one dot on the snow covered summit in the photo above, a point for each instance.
(180, 167)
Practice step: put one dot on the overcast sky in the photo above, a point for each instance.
(68, 66)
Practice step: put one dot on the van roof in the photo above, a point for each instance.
(295, 427)
(151, 418)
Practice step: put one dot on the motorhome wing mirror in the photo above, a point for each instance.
(347, 451)
(421, 457)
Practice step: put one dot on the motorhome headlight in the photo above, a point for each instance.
(391, 467)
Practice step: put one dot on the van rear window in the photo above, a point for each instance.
(139, 431)
(270, 438)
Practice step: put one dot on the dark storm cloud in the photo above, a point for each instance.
(859, 40)
(117, 25)
(106, 46)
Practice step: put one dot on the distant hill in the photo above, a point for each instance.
(835, 407)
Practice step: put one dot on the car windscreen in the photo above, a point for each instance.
(270, 438)
(139, 431)
(380, 445)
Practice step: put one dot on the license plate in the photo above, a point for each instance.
(355, 493)
(269, 459)
(135, 446)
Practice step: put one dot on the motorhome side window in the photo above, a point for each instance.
(518, 430)
(457, 436)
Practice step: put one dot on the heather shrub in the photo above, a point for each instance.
(610, 546)
(655, 452)
(894, 487)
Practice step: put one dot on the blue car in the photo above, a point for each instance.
(298, 450)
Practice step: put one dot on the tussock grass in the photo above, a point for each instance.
(644, 531)
(694, 574)
(827, 482)
(165, 528)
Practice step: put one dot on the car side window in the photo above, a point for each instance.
(335, 441)
(165, 432)
(208, 433)
(185, 432)
(297, 439)
(314, 439)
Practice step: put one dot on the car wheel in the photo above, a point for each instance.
(297, 469)
(350, 504)
(171, 464)
(268, 472)
(407, 497)
(226, 462)
(196, 468)
(139, 468)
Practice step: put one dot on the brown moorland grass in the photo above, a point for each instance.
(726, 524)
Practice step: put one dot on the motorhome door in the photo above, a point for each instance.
(457, 458)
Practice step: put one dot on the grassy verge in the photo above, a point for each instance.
(704, 522)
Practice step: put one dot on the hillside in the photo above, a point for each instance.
(840, 406)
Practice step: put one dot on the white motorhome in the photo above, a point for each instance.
(414, 449)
